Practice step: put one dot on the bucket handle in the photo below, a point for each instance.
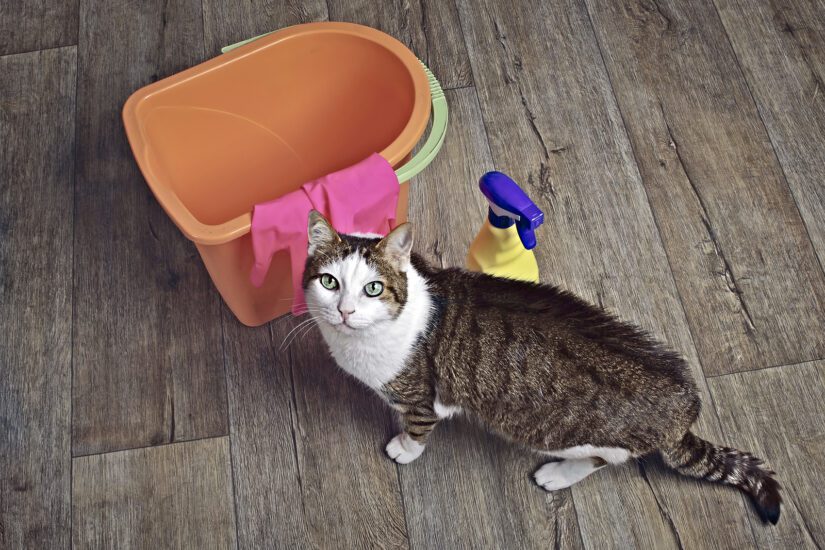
(435, 140)
(438, 131)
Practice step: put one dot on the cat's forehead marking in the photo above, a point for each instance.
(352, 270)
(354, 251)
(355, 269)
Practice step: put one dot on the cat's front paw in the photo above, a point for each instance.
(404, 449)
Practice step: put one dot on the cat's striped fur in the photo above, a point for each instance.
(533, 363)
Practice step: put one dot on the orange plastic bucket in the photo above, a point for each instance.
(255, 123)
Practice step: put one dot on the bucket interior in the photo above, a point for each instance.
(259, 126)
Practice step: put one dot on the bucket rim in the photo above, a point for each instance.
(394, 153)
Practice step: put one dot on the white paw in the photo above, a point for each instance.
(555, 476)
(404, 449)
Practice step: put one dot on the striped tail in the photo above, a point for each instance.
(695, 457)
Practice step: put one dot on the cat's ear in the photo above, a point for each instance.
(320, 233)
(397, 246)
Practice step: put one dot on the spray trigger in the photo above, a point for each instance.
(509, 205)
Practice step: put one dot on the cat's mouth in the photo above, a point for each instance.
(341, 325)
(353, 327)
(344, 327)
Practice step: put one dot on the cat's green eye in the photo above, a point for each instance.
(329, 282)
(374, 289)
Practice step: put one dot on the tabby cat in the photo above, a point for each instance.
(533, 363)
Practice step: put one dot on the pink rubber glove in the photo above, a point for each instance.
(359, 199)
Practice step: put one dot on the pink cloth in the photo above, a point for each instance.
(359, 199)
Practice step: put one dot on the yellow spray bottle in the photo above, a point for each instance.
(503, 246)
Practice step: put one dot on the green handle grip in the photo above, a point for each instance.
(440, 114)
(432, 146)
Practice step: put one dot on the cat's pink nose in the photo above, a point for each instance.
(345, 314)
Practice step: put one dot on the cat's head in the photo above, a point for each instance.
(354, 282)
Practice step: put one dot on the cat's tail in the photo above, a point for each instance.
(695, 457)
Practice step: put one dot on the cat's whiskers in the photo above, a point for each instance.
(285, 318)
(304, 332)
(310, 309)
(296, 327)
(303, 328)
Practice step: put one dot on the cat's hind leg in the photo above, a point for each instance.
(554, 476)
(577, 463)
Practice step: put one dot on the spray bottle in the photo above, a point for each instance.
(503, 246)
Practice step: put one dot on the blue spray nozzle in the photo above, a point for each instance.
(510, 205)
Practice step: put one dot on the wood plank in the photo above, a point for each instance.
(228, 22)
(747, 273)
(172, 496)
(430, 28)
(471, 489)
(37, 117)
(29, 25)
(553, 124)
(777, 414)
(352, 497)
(147, 344)
(781, 49)
(261, 410)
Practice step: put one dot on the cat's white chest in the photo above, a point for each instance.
(374, 361)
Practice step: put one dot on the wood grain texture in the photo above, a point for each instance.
(147, 341)
(352, 497)
(225, 23)
(430, 28)
(151, 341)
(747, 273)
(781, 49)
(172, 496)
(268, 489)
(29, 25)
(553, 124)
(470, 489)
(36, 178)
(778, 415)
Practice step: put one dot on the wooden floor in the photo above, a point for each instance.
(677, 148)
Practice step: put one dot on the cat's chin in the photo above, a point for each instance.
(344, 328)
(350, 330)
